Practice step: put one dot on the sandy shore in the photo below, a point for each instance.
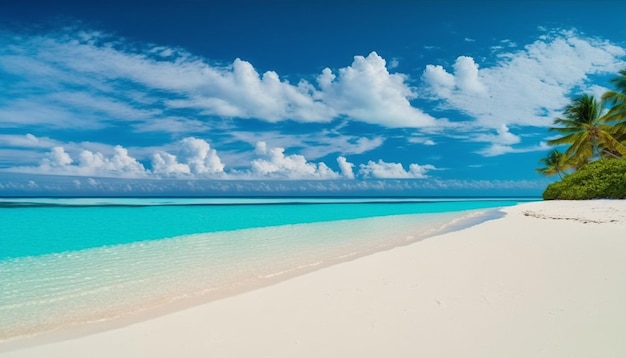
(547, 280)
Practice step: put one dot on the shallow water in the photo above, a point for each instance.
(63, 265)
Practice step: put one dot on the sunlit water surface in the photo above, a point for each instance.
(66, 262)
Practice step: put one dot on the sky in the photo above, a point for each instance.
(199, 97)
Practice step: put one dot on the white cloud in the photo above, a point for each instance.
(421, 140)
(189, 158)
(88, 80)
(503, 136)
(528, 87)
(195, 157)
(275, 164)
(439, 80)
(26, 141)
(345, 167)
(500, 149)
(31, 146)
(240, 91)
(384, 170)
(342, 144)
(57, 158)
(466, 76)
(394, 63)
(464, 80)
(167, 165)
(197, 153)
(502, 143)
(318, 144)
(88, 163)
(120, 164)
(366, 91)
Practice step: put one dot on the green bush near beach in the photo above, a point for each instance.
(602, 179)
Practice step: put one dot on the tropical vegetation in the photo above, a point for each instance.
(555, 163)
(594, 163)
(604, 178)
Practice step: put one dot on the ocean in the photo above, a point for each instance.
(68, 262)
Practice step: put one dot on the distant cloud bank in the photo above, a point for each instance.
(195, 159)
(18, 184)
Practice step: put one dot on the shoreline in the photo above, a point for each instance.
(445, 222)
(392, 300)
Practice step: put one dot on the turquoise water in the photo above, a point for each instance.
(43, 226)
(66, 262)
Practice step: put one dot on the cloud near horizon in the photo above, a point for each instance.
(15, 183)
(383, 170)
(195, 159)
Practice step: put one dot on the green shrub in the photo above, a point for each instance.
(602, 179)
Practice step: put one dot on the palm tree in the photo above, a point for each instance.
(589, 133)
(555, 163)
(617, 102)
(617, 99)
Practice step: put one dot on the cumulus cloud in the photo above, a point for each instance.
(197, 153)
(464, 80)
(439, 80)
(503, 136)
(528, 87)
(384, 170)
(167, 164)
(345, 167)
(466, 76)
(366, 91)
(240, 91)
(89, 163)
(57, 158)
(275, 164)
(195, 157)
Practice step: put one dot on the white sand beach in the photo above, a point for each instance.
(546, 280)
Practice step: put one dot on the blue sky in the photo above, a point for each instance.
(292, 97)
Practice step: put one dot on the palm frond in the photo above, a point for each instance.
(610, 143)
(581, 150)
(616, 114)
(554, 163)
(568, 139)
(620, 81)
